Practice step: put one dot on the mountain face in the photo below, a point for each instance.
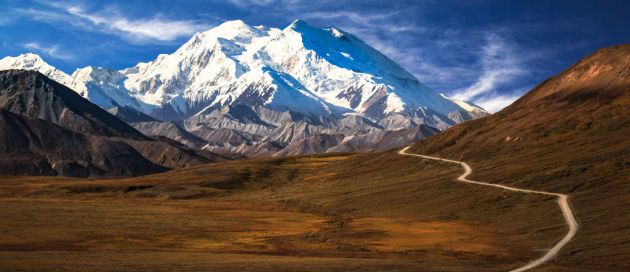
(300, 68)
(571, 135)
(48, 129)
(36, 96)
(34, 62)
(269, 86)
(36, 147)
(130, 115)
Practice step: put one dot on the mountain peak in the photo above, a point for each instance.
(49, 126)
(298, 23)
(234, 24)
(26, 61)
(231, 28)
(30, 61)
(466, 105)
(94, 73)
(235, 30)
(30, 56)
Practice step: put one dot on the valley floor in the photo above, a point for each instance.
(327, 213)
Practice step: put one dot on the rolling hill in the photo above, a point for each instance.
(569, 135)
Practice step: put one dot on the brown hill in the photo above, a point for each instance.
(570, 134)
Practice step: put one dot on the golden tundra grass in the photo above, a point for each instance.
(328, 213)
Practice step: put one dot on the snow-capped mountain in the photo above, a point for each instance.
(235, 63)
(103, 87)
(267, 85)
(30, 61)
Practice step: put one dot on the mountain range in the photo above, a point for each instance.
(260, 91)
(48, 129)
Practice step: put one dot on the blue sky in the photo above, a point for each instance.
(488, 52)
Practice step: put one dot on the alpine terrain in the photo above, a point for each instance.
(260, 91)
(47, 129)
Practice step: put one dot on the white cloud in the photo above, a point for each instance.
(365, 19)
(112, 21)
(247, 3)
(52, 51)
(50, 17)
(496, 103)
(283, 5)
(141, 30)
(499, 65)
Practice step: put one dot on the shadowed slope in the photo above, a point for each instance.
(33, 96)
(36, 147)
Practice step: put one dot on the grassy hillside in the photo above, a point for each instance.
(569, 135)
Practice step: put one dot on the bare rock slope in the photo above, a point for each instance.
(48, 129)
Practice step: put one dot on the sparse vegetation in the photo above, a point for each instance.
(379, 212)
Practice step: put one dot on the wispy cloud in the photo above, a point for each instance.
(499, 65)
(371, 20)
(496, 103)
(275, 5)
(248, 3)
(53, 51)
(155, 29)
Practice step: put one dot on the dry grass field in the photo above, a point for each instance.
(341, 212)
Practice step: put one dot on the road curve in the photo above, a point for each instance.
(563, 202)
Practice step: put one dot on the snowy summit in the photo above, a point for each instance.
(313, 72)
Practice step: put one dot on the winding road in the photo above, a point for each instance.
(563, 202)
